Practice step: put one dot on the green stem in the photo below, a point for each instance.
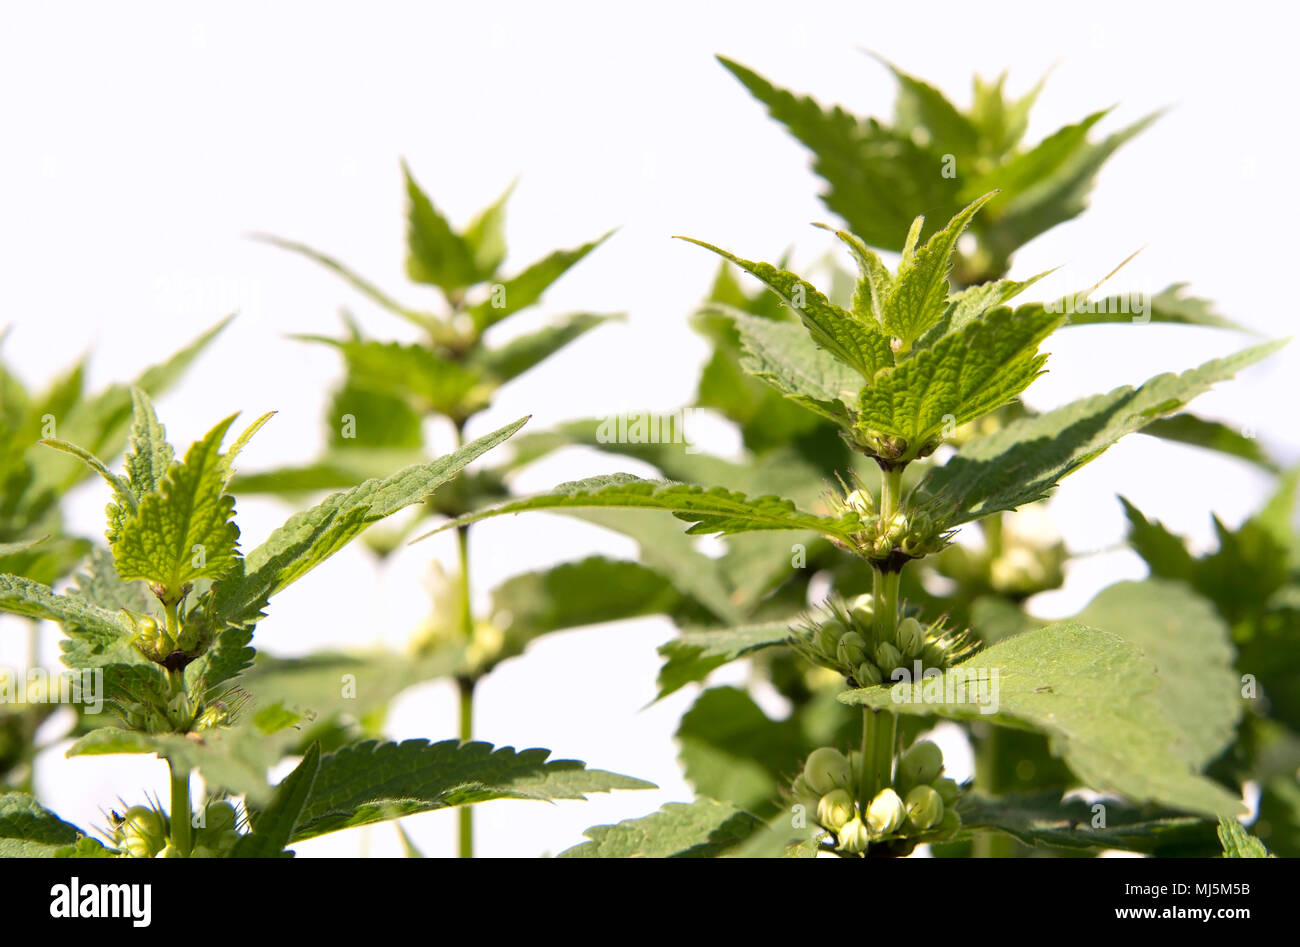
(181, 829)
(991, 526)
(988, 745)
(172, 617)
(891, 492)
(880, 727)
(879, 732)
(466, 813)
(31, 718)
(465, 685)
(885, 586)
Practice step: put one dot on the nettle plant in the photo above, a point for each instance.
(160, 626)
(378, 418)
(33, 483)
(1126, 709)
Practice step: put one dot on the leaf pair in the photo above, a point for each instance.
(926, 360)
(170, 523)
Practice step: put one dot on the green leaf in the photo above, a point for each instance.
(422, 319)
(967, 374)
(436, 382)
(28, 830)
(272, 827)
(1191, 647)
(372, 781)
(1170, 305)
(767, 420)
(574, 594)
(435, 254)
(227, 759)
(732, 752)
(1062, 195)
(876, 177)
(669, 551)
(782, 355)
(701, 829)
(1094, 694)
(693, 655)
(521, 291)
(336, 469)
(920, 290)
(122, 492)
(1045, 819)
(1238, 843)
(1002, 122)
(486, 237)
(875, 282)
(710, 510)
(1025, 460)
(855, 343)
(973, 302)
(1187, 428)
(920, 104)
(184, 530)
(21, 596)
(1028, 168)
(150, 456)
(86, 847)
(378, 419)
(523, 352)
(327, 687)
(309, 538)
(1164, 553)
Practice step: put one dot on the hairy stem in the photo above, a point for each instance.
(182, 837)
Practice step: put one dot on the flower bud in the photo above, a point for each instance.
(855, 767)
(835, 809)
(826, 769)
(886, 813)
(934, 656)
(150, 638)
(828, 636)
(950, 822)
(868, 675)
(852, 650)
(924, 808)
(215, 714)
(911, 637)
(854, 837)
(863, 611)
(169, 851)
(947, 789)
(887, 657)
(921, 763)
(142, 832)
(860, 502)
(803, 794)
(219, 817)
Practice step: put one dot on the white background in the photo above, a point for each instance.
(144, 141)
